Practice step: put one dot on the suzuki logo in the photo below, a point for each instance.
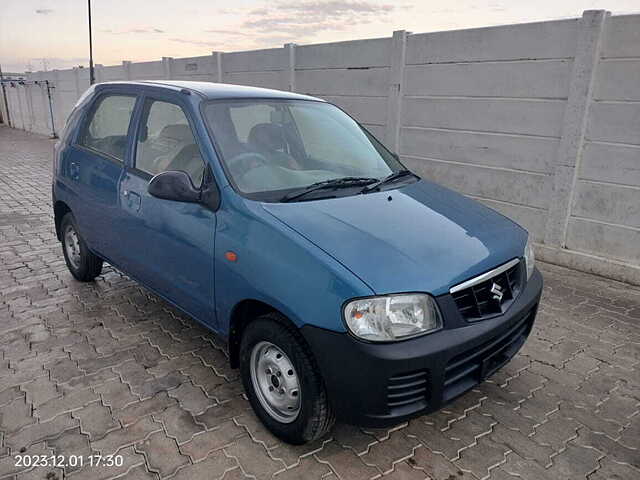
(497, 292)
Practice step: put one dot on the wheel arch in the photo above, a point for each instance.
(60, 209)
(242, 315)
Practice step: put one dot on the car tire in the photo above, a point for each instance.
(274, 358)
(83, 265)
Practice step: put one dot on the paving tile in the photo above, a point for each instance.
(71, 442)
(15, 414)
(385, 454)
(95, 420)
(216, 415)
(162, 454)
(292, 455)
(482, 457)
(576, 462)
(64, 370)
(9, 466)
(602, 444)
(116, 394)
(191, 398)
(308, 468)
(345, 463)
(132, 412)
(435, 465)
(40, 391)
(38, 432)
(203, 443)
(213, 467)
(70, 401)
(139, 473)
(403, 471)
(611, 470)
(127, 436)
(256, 429)
(157, 385)
(178, 423)
(253, 458)
(130, 460)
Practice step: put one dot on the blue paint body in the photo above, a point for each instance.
(305, 259)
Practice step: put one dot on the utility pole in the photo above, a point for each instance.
(4, 97)
(92, 78)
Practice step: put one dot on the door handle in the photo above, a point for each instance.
(132, 200)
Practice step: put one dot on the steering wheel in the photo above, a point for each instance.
(242, 163)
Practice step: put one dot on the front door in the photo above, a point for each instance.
(169, 245)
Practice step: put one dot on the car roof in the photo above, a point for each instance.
(212, 91)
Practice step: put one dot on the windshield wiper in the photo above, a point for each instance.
(335, 183)
(391, 178)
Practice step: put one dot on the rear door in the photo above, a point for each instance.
(94, 166)
(169, 245)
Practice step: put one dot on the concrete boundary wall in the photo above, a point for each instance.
(540, 121)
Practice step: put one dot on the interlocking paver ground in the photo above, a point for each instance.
(109, 367)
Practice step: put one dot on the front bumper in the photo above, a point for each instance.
(380, 385)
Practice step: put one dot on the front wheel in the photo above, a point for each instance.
(83, 265)
(282, 381)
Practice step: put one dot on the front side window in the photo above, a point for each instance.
(270, 146)
(166, 142)
(108, 124)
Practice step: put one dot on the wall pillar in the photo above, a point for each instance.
(45, 104)
(569, 155)
(76, 77)
(217, 66)
(396, 80)
(167, 67)
(290, 51)
(126, 67)
(97, 72)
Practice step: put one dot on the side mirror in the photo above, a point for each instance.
(174, 185)
(210, 196)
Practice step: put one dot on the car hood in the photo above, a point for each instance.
(420, 237)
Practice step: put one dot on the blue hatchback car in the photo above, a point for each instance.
(345, 285)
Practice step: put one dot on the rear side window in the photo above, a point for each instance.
(107, 126)
(166, 142)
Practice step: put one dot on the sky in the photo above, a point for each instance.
(47, 34)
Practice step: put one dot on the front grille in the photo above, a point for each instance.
(474, 365)
(408, 391)
(478, 302)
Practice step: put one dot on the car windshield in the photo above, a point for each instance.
(271, 147)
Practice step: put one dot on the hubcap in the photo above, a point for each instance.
(275, 381)
(72, 246)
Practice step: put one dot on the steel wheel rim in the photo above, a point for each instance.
(72, 246)
(275, 382)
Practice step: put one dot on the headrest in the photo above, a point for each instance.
(268, 136)
(180, 132)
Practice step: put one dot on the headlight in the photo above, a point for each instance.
(529, 258)
(392, 317)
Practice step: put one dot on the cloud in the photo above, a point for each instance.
(204, 43)
(143, 30)
(307, 18)
(229, 32)
(336, 7)
(44, 11)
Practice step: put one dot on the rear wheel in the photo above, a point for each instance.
(282, 381)
(83, 265)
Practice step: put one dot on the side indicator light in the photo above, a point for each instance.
(231, 256)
